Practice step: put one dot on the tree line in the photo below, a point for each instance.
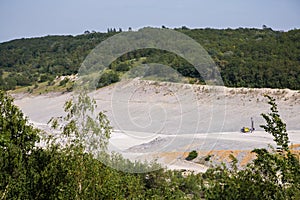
(246, 57)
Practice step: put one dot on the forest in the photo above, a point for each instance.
(68, 171)
(245, 57)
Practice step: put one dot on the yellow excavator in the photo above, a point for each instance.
(247, 129)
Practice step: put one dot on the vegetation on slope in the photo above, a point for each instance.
(245, 57)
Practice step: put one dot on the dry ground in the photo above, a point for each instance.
(164, 121)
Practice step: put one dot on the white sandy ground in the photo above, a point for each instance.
(152, 119)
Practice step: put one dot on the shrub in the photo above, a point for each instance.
(192, 155)
(108, 77)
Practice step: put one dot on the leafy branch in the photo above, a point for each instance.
(275, 126)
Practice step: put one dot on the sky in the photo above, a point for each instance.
(36, 18)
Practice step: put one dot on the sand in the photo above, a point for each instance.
(164, 121)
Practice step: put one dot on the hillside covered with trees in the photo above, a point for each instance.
(246, 57)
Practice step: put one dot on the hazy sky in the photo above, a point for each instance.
(30, 18)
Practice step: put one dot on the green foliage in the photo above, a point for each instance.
(14, 127)
(245, 57)
(192, 155)
(207, 158)
(271, 175)
(44, 78)
(108, 77)
(17, 140)
(82, 126)
(122, 67)
(70, 171)
(275, 126)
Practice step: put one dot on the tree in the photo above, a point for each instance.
(108, 77)
(14, 127)
(246, 57)
(264, 26)
(17, 140)
(275, 126)
(81, 126)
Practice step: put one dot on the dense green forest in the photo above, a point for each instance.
(70, 172)
(246, 57)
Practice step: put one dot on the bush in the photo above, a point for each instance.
(43, 78)
(192, 155)
(123, 67)
(108, 77)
